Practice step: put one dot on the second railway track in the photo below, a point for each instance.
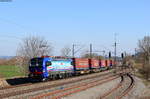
(121, 90)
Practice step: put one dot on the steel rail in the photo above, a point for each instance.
(75, 88)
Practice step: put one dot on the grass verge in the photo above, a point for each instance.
(7, 71)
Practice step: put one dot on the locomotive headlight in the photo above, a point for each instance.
(43, 70)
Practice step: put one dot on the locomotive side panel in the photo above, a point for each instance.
(60, 66)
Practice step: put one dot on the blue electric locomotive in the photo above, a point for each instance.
(50, 67)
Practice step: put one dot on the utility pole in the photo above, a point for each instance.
(125, 54)
(135, 52)
(103, 53)
(115, 49)
(90, 50)
(73, 50)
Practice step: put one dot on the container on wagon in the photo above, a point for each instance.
(95, 63)
(108, 62)
(103, 63)
(81, 63)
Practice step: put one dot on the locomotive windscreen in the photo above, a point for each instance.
(36, 62)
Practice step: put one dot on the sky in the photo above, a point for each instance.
(81, 22)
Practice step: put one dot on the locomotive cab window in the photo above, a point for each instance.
(36, 62)
(48, 63)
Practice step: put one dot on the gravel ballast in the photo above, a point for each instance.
(139, 91)
(95, 92)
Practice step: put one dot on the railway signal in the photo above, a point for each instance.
(122, 55)
(109, 54)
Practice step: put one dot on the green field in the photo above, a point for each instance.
(9, 71)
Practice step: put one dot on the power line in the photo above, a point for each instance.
(91, 51)
(74, 51)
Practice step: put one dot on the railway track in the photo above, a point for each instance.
(15, 86)
(121, 90)
(57, 94)
(25, 89)
(58, 88)
(31, 83)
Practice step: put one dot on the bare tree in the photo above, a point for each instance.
(144, 47)
(86, 54)
(66, 51)
(128, 61)
(30, 47)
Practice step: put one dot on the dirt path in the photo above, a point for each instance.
(3, 83)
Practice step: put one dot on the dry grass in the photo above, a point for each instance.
(11, 61)
(146, 82)
(138, 65)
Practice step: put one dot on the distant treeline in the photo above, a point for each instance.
(8, 61)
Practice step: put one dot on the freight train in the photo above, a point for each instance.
(46, 67)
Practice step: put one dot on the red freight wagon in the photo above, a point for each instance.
(108, 62)
(95, 63)
(81, 63)
(103, 63)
